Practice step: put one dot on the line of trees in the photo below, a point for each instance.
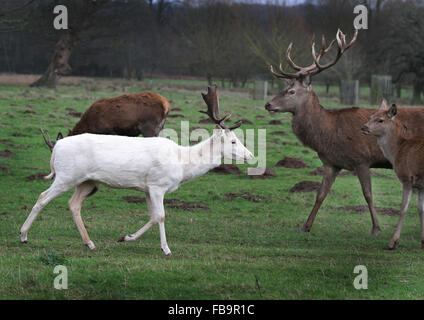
(215, 39)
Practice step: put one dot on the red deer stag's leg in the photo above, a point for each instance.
(82, 192)
(421, 213)
(330, 174)
(406, 197)
(365, 180)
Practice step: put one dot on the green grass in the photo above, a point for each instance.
(217, 253)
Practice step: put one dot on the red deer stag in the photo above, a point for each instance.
(127, 115)
(335, 134)
(406, 156)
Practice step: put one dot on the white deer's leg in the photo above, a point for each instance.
(82, 191)
(146, 227)
(158, 214)
(55, 190)
(421, 213)
(406, 197)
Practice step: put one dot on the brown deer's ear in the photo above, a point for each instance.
(392, 111)
(59, 136)
(384, 105)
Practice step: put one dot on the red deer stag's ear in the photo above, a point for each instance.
(306, 80)
(392, 111)
(383, 105)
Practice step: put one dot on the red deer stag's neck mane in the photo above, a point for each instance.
(313, 124)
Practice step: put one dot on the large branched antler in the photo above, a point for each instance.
(316, 67)
(212, 101)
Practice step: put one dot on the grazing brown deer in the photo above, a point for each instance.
(405, 154)
(127, 115)
(335, 134)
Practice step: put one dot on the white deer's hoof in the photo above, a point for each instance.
(24, 238)
(167, 251)
(126, 239)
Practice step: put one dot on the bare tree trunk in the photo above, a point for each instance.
(59, 64)
(209, 78)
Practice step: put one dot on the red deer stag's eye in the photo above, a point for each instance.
(380, 120)
(292, 91)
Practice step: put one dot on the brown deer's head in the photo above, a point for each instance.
(298, 91)
(382, 121)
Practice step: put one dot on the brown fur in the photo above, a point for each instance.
(337, 138)
(407, 156)
(129, 115)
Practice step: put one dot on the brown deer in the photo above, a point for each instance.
(335, 134)
(127, 115)
(405, 154)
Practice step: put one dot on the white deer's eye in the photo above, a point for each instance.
(233, 142)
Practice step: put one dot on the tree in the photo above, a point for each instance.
(81, 21)
(403, 46)
(205, 27)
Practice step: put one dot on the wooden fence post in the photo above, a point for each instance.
(349, 92)
(260, 91)
(381, 87)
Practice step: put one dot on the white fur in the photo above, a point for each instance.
(155, 166)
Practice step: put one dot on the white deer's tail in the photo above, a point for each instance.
(51, 175)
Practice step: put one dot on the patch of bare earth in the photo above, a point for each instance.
(279, 133)
(268, 173)
(245, 196)
(73, 113)
(227, 169)
(364, 209)
(294, 163)
(275, 122)
(206, 121)
(171, 203)
(38, 175)
(306, 186)
(6, 153)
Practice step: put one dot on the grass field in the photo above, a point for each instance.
(237, 249)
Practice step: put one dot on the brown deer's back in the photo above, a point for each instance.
(128, 114)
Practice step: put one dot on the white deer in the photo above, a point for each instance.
(155, 166)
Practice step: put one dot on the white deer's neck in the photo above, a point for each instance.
(201, 158)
